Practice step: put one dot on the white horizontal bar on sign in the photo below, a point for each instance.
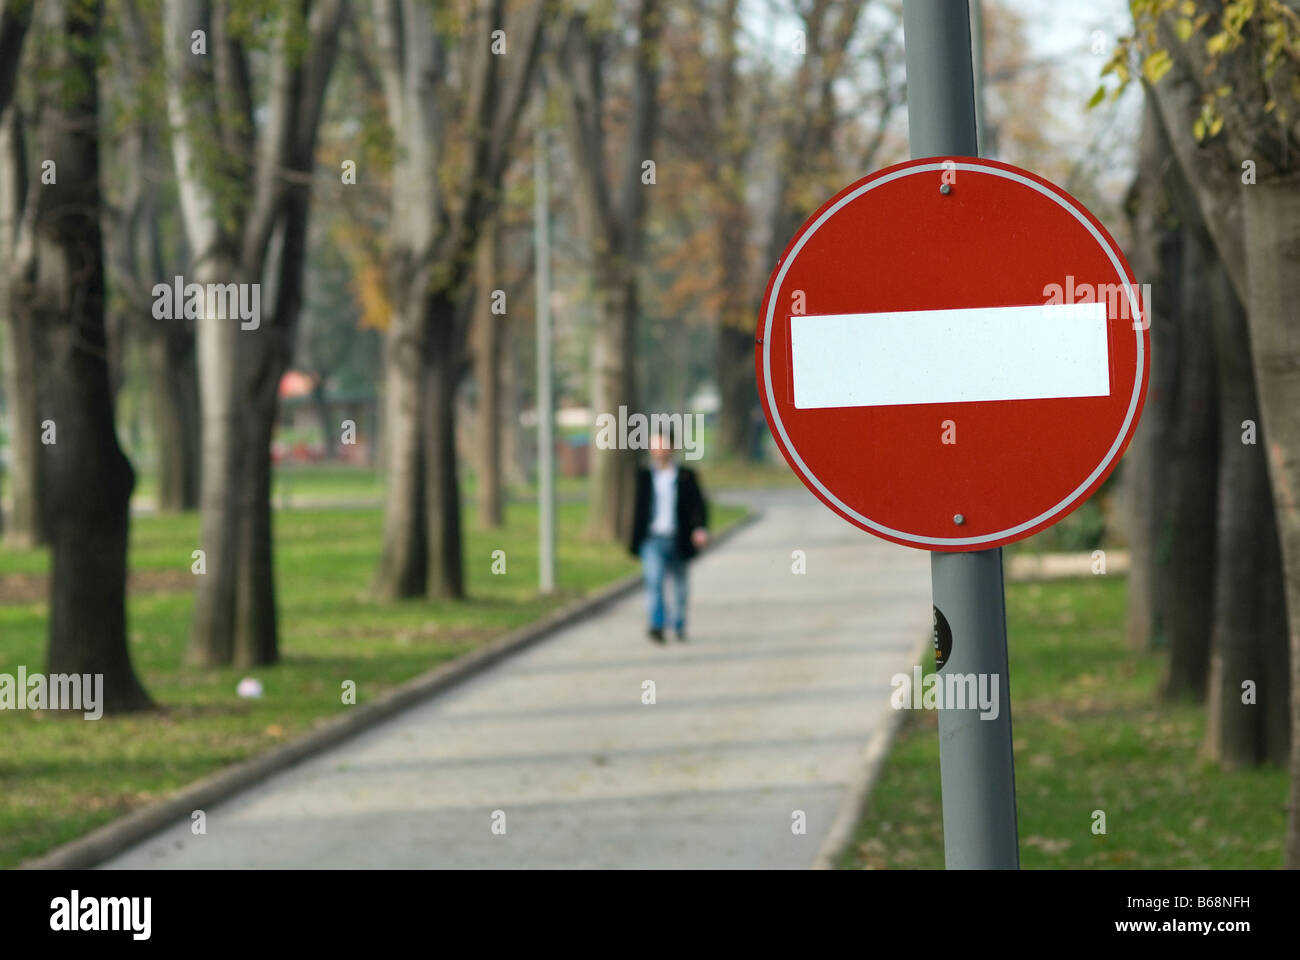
(950, 356)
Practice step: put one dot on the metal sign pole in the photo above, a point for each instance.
(975, 757)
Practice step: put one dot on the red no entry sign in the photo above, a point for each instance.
(952, 353)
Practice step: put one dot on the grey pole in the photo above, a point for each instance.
(940, 88)
(977, 57)
(545, 393)
(975, 758)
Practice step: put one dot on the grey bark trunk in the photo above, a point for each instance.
(516, 457)
(738, 393)
(22, 345)
(262, 356)
(241, 240)
(89, 480)
(612, 221)
(174, 391)
(256, 640)
(25, 526)
(1183, 587)
(329, 433)
(213, 630)
(487, 361)
(613, 469)
(1272, 242)
(445, 574)
(1157, 255)
(403, 562)
(734, 363)
(1249, 628)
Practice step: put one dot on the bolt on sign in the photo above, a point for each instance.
(952, 354)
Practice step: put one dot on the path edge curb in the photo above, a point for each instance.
(851, 808)
(115, 836)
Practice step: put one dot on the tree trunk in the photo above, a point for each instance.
(445, 576)
(329, 433)
(513, 440)
(1249, 628)
(1139, 492)
(256, 641)
(1276, 676)
(235, 614)
(438, 210)
(738, 392)
(1187, 491)
(403, 561)
(237, 238)
(234, 611)
(89, 491)
(611, 221)
(490, 329)
(26, 526)
(613, 385)
(22, 346)
(262, 356)
(734, 363)
(212, 632)
(1256, 228)
(89, 480)
(1157, 255)
(1272, 248)
(173, 382)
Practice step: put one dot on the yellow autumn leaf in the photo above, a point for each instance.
(372, 291)
(1198, 129)
(1156, 65)
(1183, 28)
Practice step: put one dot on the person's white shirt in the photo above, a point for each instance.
(663, 514)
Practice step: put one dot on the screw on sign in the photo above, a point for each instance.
(952, 354)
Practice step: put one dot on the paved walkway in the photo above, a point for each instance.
(766, 711)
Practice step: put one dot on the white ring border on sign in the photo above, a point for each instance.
(767, 355)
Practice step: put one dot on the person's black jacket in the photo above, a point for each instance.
(692, 510)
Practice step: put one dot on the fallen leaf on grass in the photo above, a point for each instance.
(1047, 844)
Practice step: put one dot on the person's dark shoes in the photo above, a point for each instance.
(681, 635)
(657, 634)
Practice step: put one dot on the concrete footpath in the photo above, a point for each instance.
(766, 711)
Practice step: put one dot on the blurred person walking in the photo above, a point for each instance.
(669, 526)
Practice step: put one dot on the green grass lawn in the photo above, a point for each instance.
(293, 485)
(1089, 735)
(61, 776)
(308, 482)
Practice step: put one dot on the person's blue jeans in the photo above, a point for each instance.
(661, 561)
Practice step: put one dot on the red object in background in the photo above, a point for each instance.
(895, 242)
(296, 384)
